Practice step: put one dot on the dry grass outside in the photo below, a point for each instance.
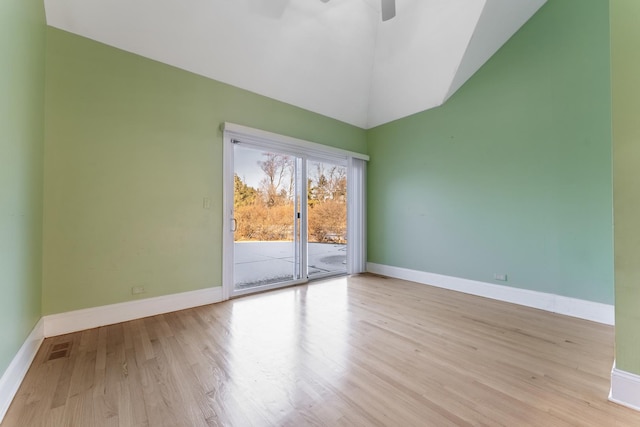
(259, 222)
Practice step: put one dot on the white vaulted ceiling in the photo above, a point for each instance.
(336, 58)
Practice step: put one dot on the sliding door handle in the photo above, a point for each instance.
(234, 227)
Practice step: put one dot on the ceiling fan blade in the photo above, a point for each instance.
(388, 9)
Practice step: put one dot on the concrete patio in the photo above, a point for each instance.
(262, 263)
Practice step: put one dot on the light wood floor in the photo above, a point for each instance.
(359, 351)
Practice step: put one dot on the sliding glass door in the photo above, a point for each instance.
(287, 204)
(284, 233)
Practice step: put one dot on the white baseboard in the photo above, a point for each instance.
(79, 320)
(17, 369)
(589, 310)
(625, 388)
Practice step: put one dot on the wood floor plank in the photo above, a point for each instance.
(363, 350)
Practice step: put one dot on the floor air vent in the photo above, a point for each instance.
(59, 351)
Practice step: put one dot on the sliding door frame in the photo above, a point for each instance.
(356, 185)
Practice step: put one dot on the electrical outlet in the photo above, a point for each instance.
(206, 203)
(137, 290)
(501, 277)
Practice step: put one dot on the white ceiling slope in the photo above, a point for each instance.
(337, 58)
(499, 20)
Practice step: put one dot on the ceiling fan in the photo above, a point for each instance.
(388, 8)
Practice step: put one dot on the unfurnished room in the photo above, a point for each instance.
(319, 213)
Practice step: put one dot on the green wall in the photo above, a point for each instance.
(22, 45)
(513, 174)
(132, 148)
(625, 55)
